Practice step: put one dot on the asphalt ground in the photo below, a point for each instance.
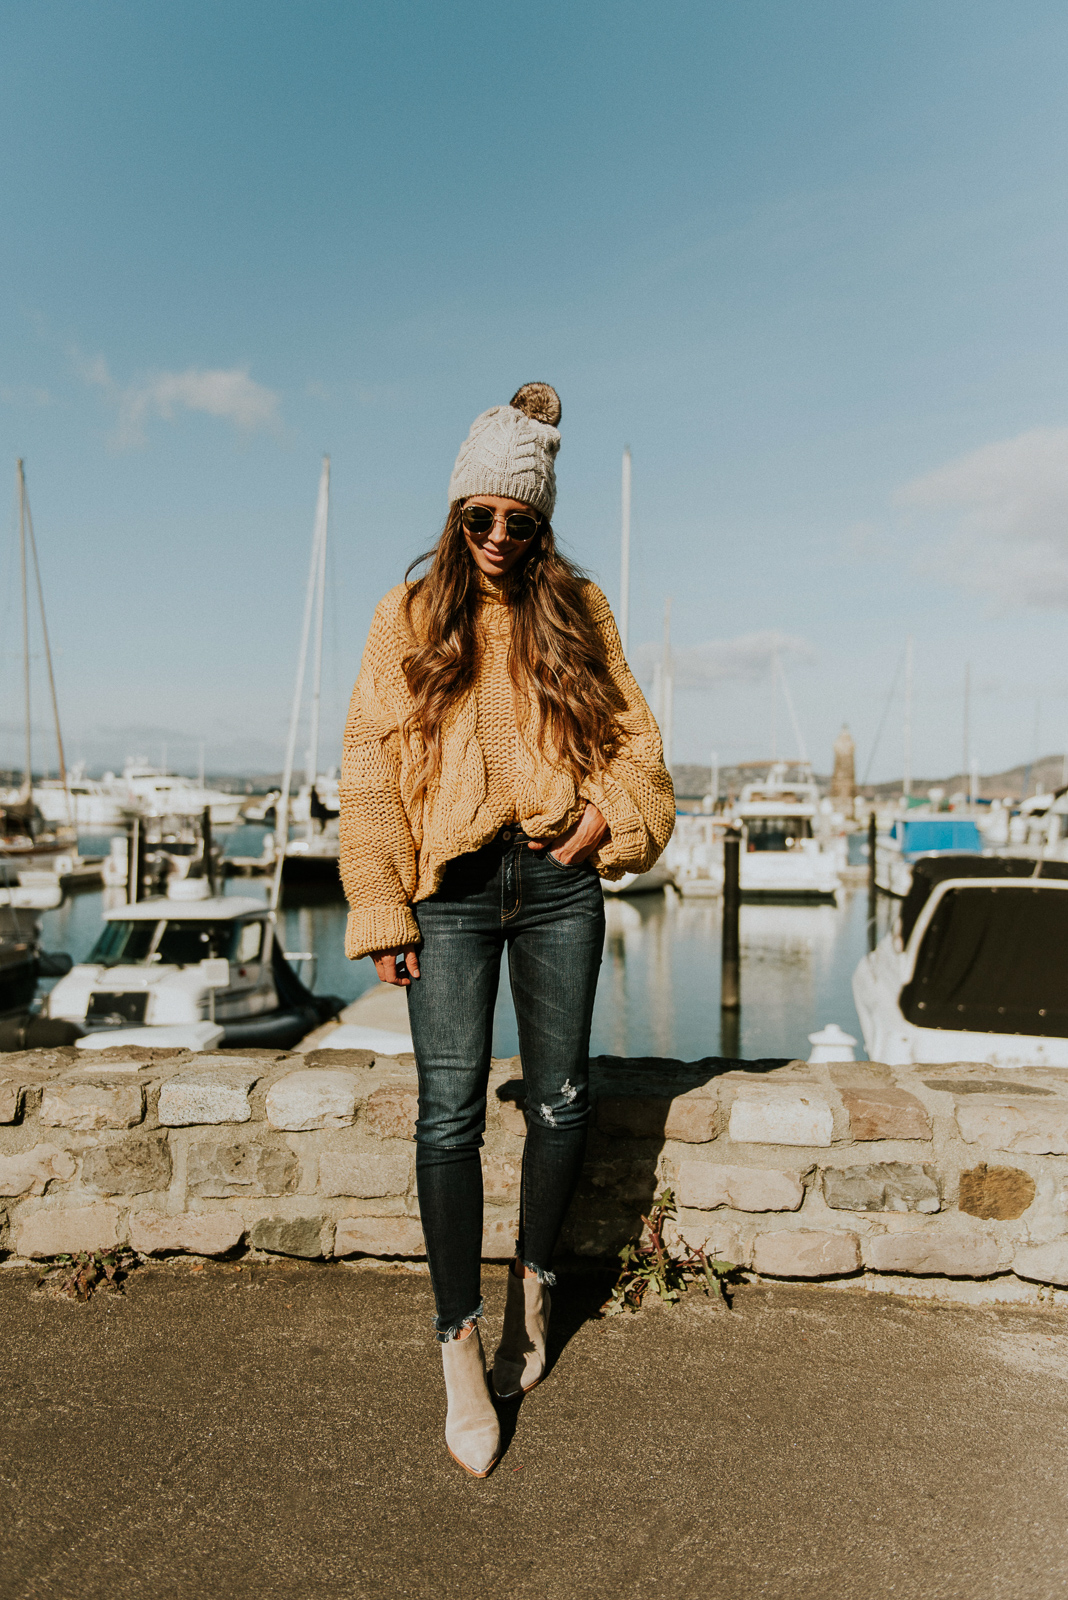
(276, 1430)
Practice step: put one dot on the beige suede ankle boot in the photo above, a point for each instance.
(472, 1432)
(520, 1360)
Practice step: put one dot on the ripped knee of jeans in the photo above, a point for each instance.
(568, 1107)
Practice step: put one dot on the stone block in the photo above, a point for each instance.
(1043, 1263)
(720, 1240)
(216, 1170)
(87, 1108)
(801, 1253)
(31, 1171)
(625, 1177)
(288, 1236)
(206, 1233)
(633, 1116)
(67, 1232)
(215, 1094)
(499, 1236)
(692, 1119)
(365, 1174)
(1037, 1128)
(703, 1187)
(500, 1178)
(129, 1166)
(340, 1060)
(996, 1193)
(934, 1252)
(10, 1095)
(799, 1119)
(881, 1186)
(379, 1236)
(390, 1112)
(512, 1119)
(883, 1111)
(317, 1098)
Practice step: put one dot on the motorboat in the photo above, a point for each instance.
(29, 888)
(87, 804)
(695, 855)
(911, 837)
(187, 958)
(781, 856)
(651, 882)
(153, 793)
(975, 969)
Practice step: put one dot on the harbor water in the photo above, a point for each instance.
(659, 988)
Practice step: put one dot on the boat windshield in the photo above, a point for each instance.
(776, 833)
(994, 960)
(123, 943)
(182, 942)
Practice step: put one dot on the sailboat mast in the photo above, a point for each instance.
(624, 556)
(48, 657)
(322, 516)
(282, 807)
(28, 775)
(667, 727)
(906, 782)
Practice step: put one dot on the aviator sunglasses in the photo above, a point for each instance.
(520, 525)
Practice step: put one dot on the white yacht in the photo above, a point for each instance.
(976, 968)
(166, 963)
(781, 855)
(153, 793)
(88, 804)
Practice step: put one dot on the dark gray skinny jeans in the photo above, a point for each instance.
(550, 918)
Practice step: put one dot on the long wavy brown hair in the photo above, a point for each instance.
(556, 656)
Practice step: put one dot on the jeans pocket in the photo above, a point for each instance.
(564, 866)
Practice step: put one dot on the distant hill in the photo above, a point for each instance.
(1044, 776)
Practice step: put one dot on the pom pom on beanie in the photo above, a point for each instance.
(511, 451)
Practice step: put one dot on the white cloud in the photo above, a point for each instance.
(1009, 505)
(228, 393)
(231, 394)
(747, 659)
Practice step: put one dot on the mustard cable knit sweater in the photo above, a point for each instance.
(394, 848)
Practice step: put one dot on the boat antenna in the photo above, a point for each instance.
(282, 807)
(25, 499)
(802, 752)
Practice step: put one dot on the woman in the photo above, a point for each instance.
(498, 757)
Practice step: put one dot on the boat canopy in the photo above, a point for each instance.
(930, 871)
(994, 959)
(921, 834)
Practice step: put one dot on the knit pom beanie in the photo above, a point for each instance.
(511, 451)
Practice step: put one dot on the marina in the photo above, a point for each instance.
(659, 990)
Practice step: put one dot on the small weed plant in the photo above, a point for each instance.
(78, 1276)
(650, 1263)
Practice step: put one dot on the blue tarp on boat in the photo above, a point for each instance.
(919, 835)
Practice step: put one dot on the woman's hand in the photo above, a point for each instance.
(388, 970)
(580, 840)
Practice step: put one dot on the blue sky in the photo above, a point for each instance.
(807, 260)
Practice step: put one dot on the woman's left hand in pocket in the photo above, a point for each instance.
(580, 841)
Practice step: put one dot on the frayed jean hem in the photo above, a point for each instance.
(445, 1335)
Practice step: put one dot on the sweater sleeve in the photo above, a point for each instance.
(377, 850)
(634, 793)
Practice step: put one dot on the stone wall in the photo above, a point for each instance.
(798, 1172)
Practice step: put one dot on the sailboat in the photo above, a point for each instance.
(31, 855)
(311, 856)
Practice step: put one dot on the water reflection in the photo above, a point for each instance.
(659, 989)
